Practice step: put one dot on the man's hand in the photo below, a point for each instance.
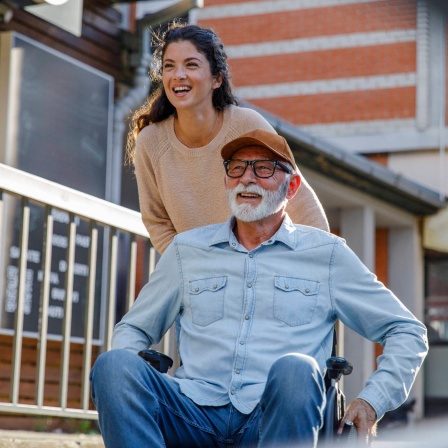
(363, 416)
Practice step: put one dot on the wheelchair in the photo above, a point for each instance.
(334, 411)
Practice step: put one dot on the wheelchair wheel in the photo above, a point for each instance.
(332, 414)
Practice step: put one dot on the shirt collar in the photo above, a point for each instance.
(286, 234)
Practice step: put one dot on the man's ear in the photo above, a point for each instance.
(293, 187)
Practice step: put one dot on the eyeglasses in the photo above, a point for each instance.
(262, 168)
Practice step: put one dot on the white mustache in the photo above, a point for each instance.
(240, 188)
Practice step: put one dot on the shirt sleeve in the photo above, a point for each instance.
(156, 307)
(154, 215)
(366, 306)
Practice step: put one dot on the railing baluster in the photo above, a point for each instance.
(20, 305)
(112, 289)
(152, 261)
(132, 274)
(43, 309)
(67, 322)
(88, 326)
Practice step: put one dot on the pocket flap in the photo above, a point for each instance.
(207, 284)
(306, 287)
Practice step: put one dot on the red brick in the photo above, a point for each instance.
(382, 158)
(381, 254)
(345, 19)
(386, 104)
(331, 64)
(381, 269)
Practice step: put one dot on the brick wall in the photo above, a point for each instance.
(333, 62)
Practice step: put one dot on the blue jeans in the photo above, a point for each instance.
(139, 407)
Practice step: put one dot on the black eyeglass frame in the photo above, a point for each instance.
(252, 162)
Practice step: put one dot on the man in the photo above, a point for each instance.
(256, 298)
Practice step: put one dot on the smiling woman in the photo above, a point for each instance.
(177, 136)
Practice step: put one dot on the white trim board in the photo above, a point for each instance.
(320, 43)
(326, 86)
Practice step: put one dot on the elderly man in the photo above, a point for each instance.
(256, 300)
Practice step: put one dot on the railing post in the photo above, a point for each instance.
(89, 311)
(112, 288)
(132, 273)
(43, 309)
(20, 304)
(68, 306)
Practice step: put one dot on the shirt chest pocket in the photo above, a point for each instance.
(295, 300)
(207, 300)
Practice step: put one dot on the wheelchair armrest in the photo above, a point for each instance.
(159, 361)
(337, 366)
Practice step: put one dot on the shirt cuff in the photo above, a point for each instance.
(377, 400)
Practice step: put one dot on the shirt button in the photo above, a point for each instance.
(215, 286)
(286, 286)
(249, 285)
(241, 342)
(232, 392)
(197, 289)
(307, 290)
(237, 371)
(247, 317)
(251, 256)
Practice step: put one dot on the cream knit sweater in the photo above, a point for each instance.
(181, 188)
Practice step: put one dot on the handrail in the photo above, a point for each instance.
(83, 205)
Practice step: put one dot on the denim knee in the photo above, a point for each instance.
(114, 360)
(295, 365)
(112, 368)
(293, 374)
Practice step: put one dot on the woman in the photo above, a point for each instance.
(177, 137)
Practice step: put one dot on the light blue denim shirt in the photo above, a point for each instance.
(240, 310)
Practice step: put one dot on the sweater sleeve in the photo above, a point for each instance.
(154, 215)
(305, 208)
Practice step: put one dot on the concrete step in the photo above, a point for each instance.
(29, 439)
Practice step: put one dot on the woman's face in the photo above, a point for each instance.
(187, 77)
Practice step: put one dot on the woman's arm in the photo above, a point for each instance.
(305, 208)
(154, 215)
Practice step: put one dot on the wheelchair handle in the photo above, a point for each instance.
(338, 366)
(159, 361)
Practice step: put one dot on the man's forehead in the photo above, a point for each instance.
(255, 152)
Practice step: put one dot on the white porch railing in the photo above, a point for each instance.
(115, 234)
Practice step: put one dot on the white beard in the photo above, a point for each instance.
(271, 201)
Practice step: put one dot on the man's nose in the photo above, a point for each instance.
(249, 176)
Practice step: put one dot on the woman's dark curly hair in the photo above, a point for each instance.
(157, 107)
